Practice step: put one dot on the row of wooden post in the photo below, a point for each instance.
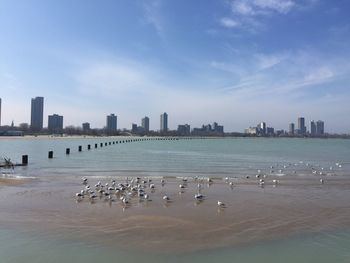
(80, 148)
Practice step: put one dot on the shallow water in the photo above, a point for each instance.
(300, 220)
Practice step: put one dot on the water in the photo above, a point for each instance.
(211, 156)
(22, 241)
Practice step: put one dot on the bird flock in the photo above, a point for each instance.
(141, 188)
(138, 188)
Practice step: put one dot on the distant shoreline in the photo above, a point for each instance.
(137, 136)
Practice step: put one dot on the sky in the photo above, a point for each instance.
(236, 62)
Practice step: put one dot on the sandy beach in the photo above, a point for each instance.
(294, 207)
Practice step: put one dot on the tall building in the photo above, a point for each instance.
(262, 128)
(111, 123)
(301, 126)
(184, 130)
(270, 131)
(0, 112)
(312, 128)
(320, 128)
(55, 123)
(164, 122)
(37, 114)
(86, 126)
(291, 128)
(145, 124)
(134, 127)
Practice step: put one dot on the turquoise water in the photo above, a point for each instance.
(328, 247)
(218, 157)
(209, 157)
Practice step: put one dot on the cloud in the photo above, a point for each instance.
(251, 15)
(228, 22)
(262, 7)
(287, 74)
(269, 61)
(280, 6)
(152, 16)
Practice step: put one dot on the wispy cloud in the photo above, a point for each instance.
(152, 15)
(228, 22)
(262, 7)
(250, 15)
(284, 74)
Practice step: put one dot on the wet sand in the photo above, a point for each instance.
(296, 206)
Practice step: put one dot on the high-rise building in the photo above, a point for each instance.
(111, 123)
(37, 114)
(291, 128)
(86, 126)
(320, 128)
(164, 122)
(0, 112)
(270, 131)
(134, 127)
(184, 130)
(145, 124)
(301, 126)
(55, 123)
(312, 128)
(262, 128)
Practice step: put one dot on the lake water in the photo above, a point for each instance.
(297, 163)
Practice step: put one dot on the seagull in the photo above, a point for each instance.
(125, 201)
(166, 198)
(221, 204)
(321, 181)
(274, 181)
(181, 186)
(79, 195)
(92, 197)
(85, 180)
(199, 197)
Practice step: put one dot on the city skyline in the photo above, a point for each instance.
(37, 116)
(226, 60)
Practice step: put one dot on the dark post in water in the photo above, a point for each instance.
(67, 151)
(24, 159)
(50, 154)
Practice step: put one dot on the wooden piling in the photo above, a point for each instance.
(67, 151)
(80, 148)
(24, 160)
(50, 154)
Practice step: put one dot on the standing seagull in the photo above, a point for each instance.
(221, 204)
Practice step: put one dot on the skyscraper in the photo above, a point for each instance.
(320, 128)
(55, 123)
(301, 126)
(262, 128)
(86, 126)
(312, 128)
(164, 122)
(145, 124)
(111, 123)
(37, 114)
(291, 128)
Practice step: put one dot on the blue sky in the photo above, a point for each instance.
(237, 62)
